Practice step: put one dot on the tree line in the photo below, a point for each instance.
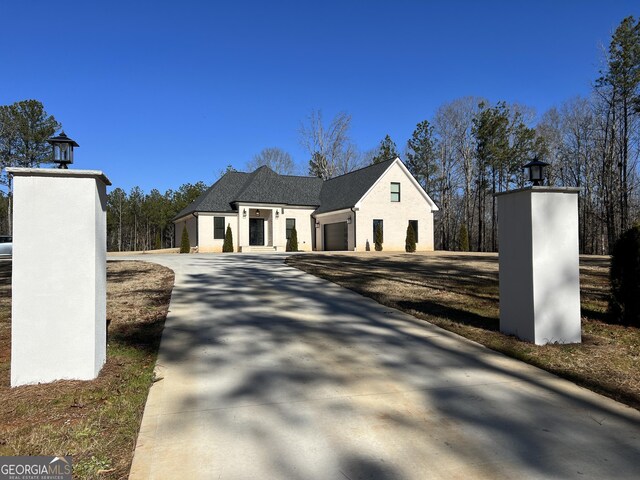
(467, 152)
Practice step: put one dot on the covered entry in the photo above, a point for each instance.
(335, 236)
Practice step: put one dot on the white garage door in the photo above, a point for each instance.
(335, 236)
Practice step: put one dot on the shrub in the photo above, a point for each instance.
(227, 246)
(410, 241)
(624, 303)
(292, 243)
(463, 242)
(185, 246)
(378, 239)
(158, 242)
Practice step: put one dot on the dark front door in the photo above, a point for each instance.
(256, 231)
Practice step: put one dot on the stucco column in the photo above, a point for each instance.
(59, 280)
(539, 270)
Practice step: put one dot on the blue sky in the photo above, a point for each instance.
(159, 93)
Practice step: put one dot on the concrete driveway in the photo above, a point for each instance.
(271, 373)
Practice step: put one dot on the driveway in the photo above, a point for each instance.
(270, 373)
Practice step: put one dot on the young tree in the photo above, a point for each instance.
(276, 159)
(292, 244)
(410, 240)
(228, 240)
(185, 245)
(387, 150)
(463, 240)
(378, 239)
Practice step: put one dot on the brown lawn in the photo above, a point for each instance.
(96, 422)
(459, 292)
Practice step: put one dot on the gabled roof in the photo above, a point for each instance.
(266, 186)
(346, 190)
(261, 186)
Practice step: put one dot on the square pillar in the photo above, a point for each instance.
(59, 280)
(539, 264)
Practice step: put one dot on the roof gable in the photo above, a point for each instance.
(346, 190)
(267, 187)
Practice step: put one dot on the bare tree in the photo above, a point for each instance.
(276, 159)
(330, 149)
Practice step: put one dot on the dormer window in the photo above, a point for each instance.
(395, 191)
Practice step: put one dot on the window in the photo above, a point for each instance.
(218, 228)
(414, 225)
(377, 223)
(395, 192)
(291, 224)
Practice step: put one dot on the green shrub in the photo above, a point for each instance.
(624, 303)
(292, 243)
(463, 241)
(410, 241)
(378, 239)
(185, 246)
(158, 242)
(227, 246)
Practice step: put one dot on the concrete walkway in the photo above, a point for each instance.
(271, 373)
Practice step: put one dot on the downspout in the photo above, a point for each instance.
(355, 238)
(197, 237)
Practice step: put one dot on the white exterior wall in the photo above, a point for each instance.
(377, 204)
(304, 227)
(539, 269)
(59, 275)
(191, 224)
(206, 242)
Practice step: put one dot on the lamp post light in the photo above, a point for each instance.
(535, 170)
(62, 149)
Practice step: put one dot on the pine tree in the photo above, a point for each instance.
(378, 239)
(185, 246)
(387, 150)
(410, 241)
(464, 239)
(292, 244)
(228, 240)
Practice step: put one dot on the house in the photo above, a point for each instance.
(262, 208)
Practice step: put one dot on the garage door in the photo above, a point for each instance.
(335, 236)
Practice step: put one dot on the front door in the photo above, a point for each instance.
(256, 231)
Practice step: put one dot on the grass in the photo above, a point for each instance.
(96, 422)
(459, 292)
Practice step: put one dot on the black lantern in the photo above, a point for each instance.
(62, 149)
(535, 171)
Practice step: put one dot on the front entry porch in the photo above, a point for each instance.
(257, 228)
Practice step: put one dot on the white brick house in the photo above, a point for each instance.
(337, 214)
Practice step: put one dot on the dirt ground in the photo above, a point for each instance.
(96, 422)
(459, 291)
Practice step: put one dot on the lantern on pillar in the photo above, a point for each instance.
(62, 149)
(534, 170)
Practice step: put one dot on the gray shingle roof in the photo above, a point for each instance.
(265, 186)
(344, 191)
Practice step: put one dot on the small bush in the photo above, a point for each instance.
(463, 241)
(227, 246)
(378, 239)
(292, 243)
(624, 304)
(410, 241)
(185, 246)
(158, 242)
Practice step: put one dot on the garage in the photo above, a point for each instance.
(335, 236)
